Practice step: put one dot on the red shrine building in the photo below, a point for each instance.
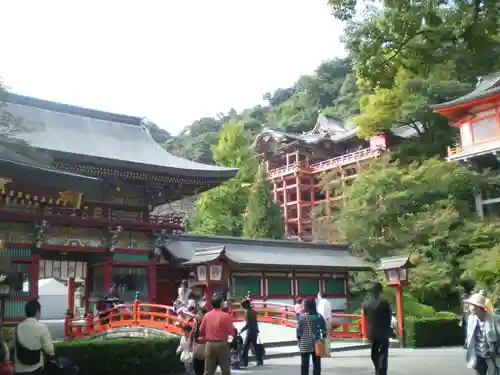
(85, 218)
(477, 116)
(297, 164)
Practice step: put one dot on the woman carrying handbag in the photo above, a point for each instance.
(311, 331)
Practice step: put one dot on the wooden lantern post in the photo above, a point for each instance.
(211, 270)
(396, 272)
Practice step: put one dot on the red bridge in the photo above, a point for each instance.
(163, 318)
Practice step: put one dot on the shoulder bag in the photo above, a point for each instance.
(26, 356)
(319, 344)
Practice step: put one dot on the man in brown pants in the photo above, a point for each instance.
(215, 329)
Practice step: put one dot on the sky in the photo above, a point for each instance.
(170, 61)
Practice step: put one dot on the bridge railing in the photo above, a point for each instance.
(344, 326)
(127, 315)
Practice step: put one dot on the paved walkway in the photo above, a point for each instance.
(447, 361)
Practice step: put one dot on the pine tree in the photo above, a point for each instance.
(263, 218)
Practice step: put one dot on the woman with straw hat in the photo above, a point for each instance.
(483, 337)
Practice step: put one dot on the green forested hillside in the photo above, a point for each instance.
(331, 89)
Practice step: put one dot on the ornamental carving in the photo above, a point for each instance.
(40, 231)
(159, 238)
(113, 236)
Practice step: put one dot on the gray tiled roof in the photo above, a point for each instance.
(101, 138)
(269, 252)
(395, 262)
(327, 129)
(487, 85)
(15, 165)
(207, 254)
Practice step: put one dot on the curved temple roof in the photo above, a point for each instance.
(103, 138)
(13, 164)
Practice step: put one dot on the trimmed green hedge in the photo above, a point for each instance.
(433, 332)
(123, 356)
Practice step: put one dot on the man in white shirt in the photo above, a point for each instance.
(31, 340)
(325, 310)
(184, 293)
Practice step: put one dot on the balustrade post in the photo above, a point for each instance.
(67, 329)
(364, 326)
(135, 317)
(89, 324)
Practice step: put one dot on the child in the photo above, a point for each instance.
(236, 347)
(185, 349)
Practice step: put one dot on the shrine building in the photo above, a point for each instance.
(85, 218)
(477, 116)
(297, 164)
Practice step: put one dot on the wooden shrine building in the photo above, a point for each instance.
(297, 164)
(86, 216)
(269, 270)
(477, 116)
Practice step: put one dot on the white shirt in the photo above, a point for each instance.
(183, 295)
(325, 309)
(33, 335)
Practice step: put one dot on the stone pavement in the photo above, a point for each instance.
(446, 361)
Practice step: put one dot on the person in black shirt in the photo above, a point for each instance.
(252, 328)
(378, 314)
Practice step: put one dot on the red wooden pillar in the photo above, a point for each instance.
(34, 275)
(71, 295)
(399, 311)
(108, 273)
(299, 204)
(152, 279)
(88, 287)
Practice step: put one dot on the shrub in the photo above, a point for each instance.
(123, 356)
(433, 332)
(447, 314)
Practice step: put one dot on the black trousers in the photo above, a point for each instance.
(304, 363)
(198, 366)
(380, 354)
(251, 340)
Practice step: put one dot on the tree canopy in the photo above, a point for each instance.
(263, 217)
(425, 210)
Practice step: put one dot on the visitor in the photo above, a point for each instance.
(325, 310)
(252, 329)
(379, 316)
(482, 337)
(31, 340)
(394, 325)
(215, 330)
(299, 306)
(198, 348)
(185, 349)
(183, 293)
(311, 327)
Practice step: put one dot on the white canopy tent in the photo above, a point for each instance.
(53, 297)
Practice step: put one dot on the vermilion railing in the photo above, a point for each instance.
(344, 326)
(326, 164)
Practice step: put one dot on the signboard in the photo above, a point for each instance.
(63, 269)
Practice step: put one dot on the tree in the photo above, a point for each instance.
(418, 36)
(220, 211)
(263, 217)
(421, 209)
(408, 102)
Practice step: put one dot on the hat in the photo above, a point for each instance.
(477, 300)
